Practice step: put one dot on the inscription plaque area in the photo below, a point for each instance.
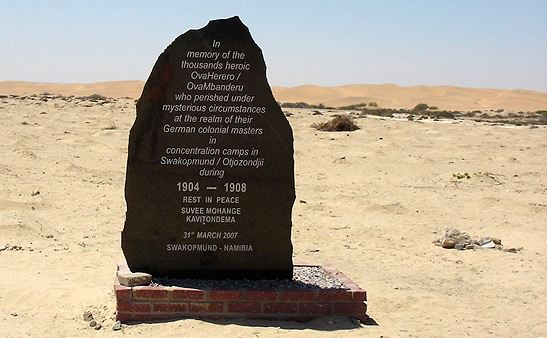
(210, 170)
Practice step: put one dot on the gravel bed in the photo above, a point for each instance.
(304, 278)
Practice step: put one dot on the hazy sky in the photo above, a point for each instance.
(483, 44)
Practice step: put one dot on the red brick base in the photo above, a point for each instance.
(147, 303)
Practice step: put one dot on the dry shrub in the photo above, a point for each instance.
(338, 123)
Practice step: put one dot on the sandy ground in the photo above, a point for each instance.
(371, 202)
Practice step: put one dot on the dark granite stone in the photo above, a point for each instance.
(210, 169)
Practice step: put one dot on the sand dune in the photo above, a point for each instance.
(116, 89)
(393, 96)
(386, 95)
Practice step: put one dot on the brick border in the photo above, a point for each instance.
(154, 303)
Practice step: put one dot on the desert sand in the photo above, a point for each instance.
(385, 95)
(117, 89)
(393, 96)
(371, 202)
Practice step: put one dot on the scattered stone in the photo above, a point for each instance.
(98, 326)
(4, 247)
(452, 236)
(117, 326)
(316, 276)
(304, 278)
(513, 250)
(489, 244)
(14, 314)
(455, 239)
(88, 316)
(483, 241)
(92, 323)
(448, 243)
(134, 278)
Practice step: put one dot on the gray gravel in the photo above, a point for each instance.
(304, 278)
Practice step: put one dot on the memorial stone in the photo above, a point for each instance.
(210, 170)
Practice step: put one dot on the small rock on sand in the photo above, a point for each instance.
(513, 250)
(483, 241)
(448, 243)
(452, 236)
(117, 326)
(88, 316)
(489, 244)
